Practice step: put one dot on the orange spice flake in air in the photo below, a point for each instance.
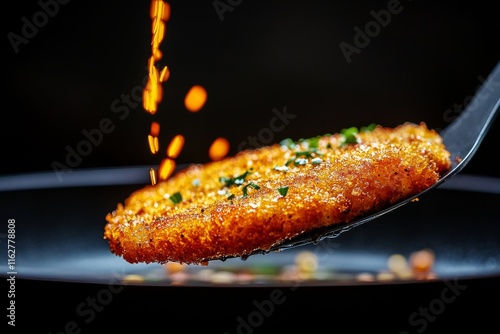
(159, 10)
(219, 149)
(164, 74)
(167, 167)
(153, 92)
(175, 146)
(152, 175)
(154, 146)
(155, 129)
(159, 14)
(195, 98)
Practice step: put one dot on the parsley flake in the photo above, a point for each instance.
(368, 128)
(238, 180)
(313, 143)
(349, 136)
(288, 143)
(245, 188)
(283, 190)
(176, 198)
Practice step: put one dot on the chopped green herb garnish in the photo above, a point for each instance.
(176, 198)
(301, 157)
(307, 153)
(313, 142)
(288, 142)
(283, 190)
(230, 197)
(349, 136)
(311, 151)
(368, 128)
(289, 161)
(238, 180)
(245, 188)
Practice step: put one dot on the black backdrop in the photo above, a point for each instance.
(331, 64)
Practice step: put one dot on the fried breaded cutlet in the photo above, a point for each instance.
(258, 198)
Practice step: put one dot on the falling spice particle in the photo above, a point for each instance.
(164, 74)
(152, 176)
(153, 92)
(219, 149)
(195, 98)
(155, 129)
(153, 144)
(167, 167)
(175, 146)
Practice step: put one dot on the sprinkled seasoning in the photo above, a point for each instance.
(300, 162)
(281, 168)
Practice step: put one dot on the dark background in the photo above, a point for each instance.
(424, 65)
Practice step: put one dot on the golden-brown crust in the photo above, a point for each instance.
(218, 218)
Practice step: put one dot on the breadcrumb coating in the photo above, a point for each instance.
(258, 198)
